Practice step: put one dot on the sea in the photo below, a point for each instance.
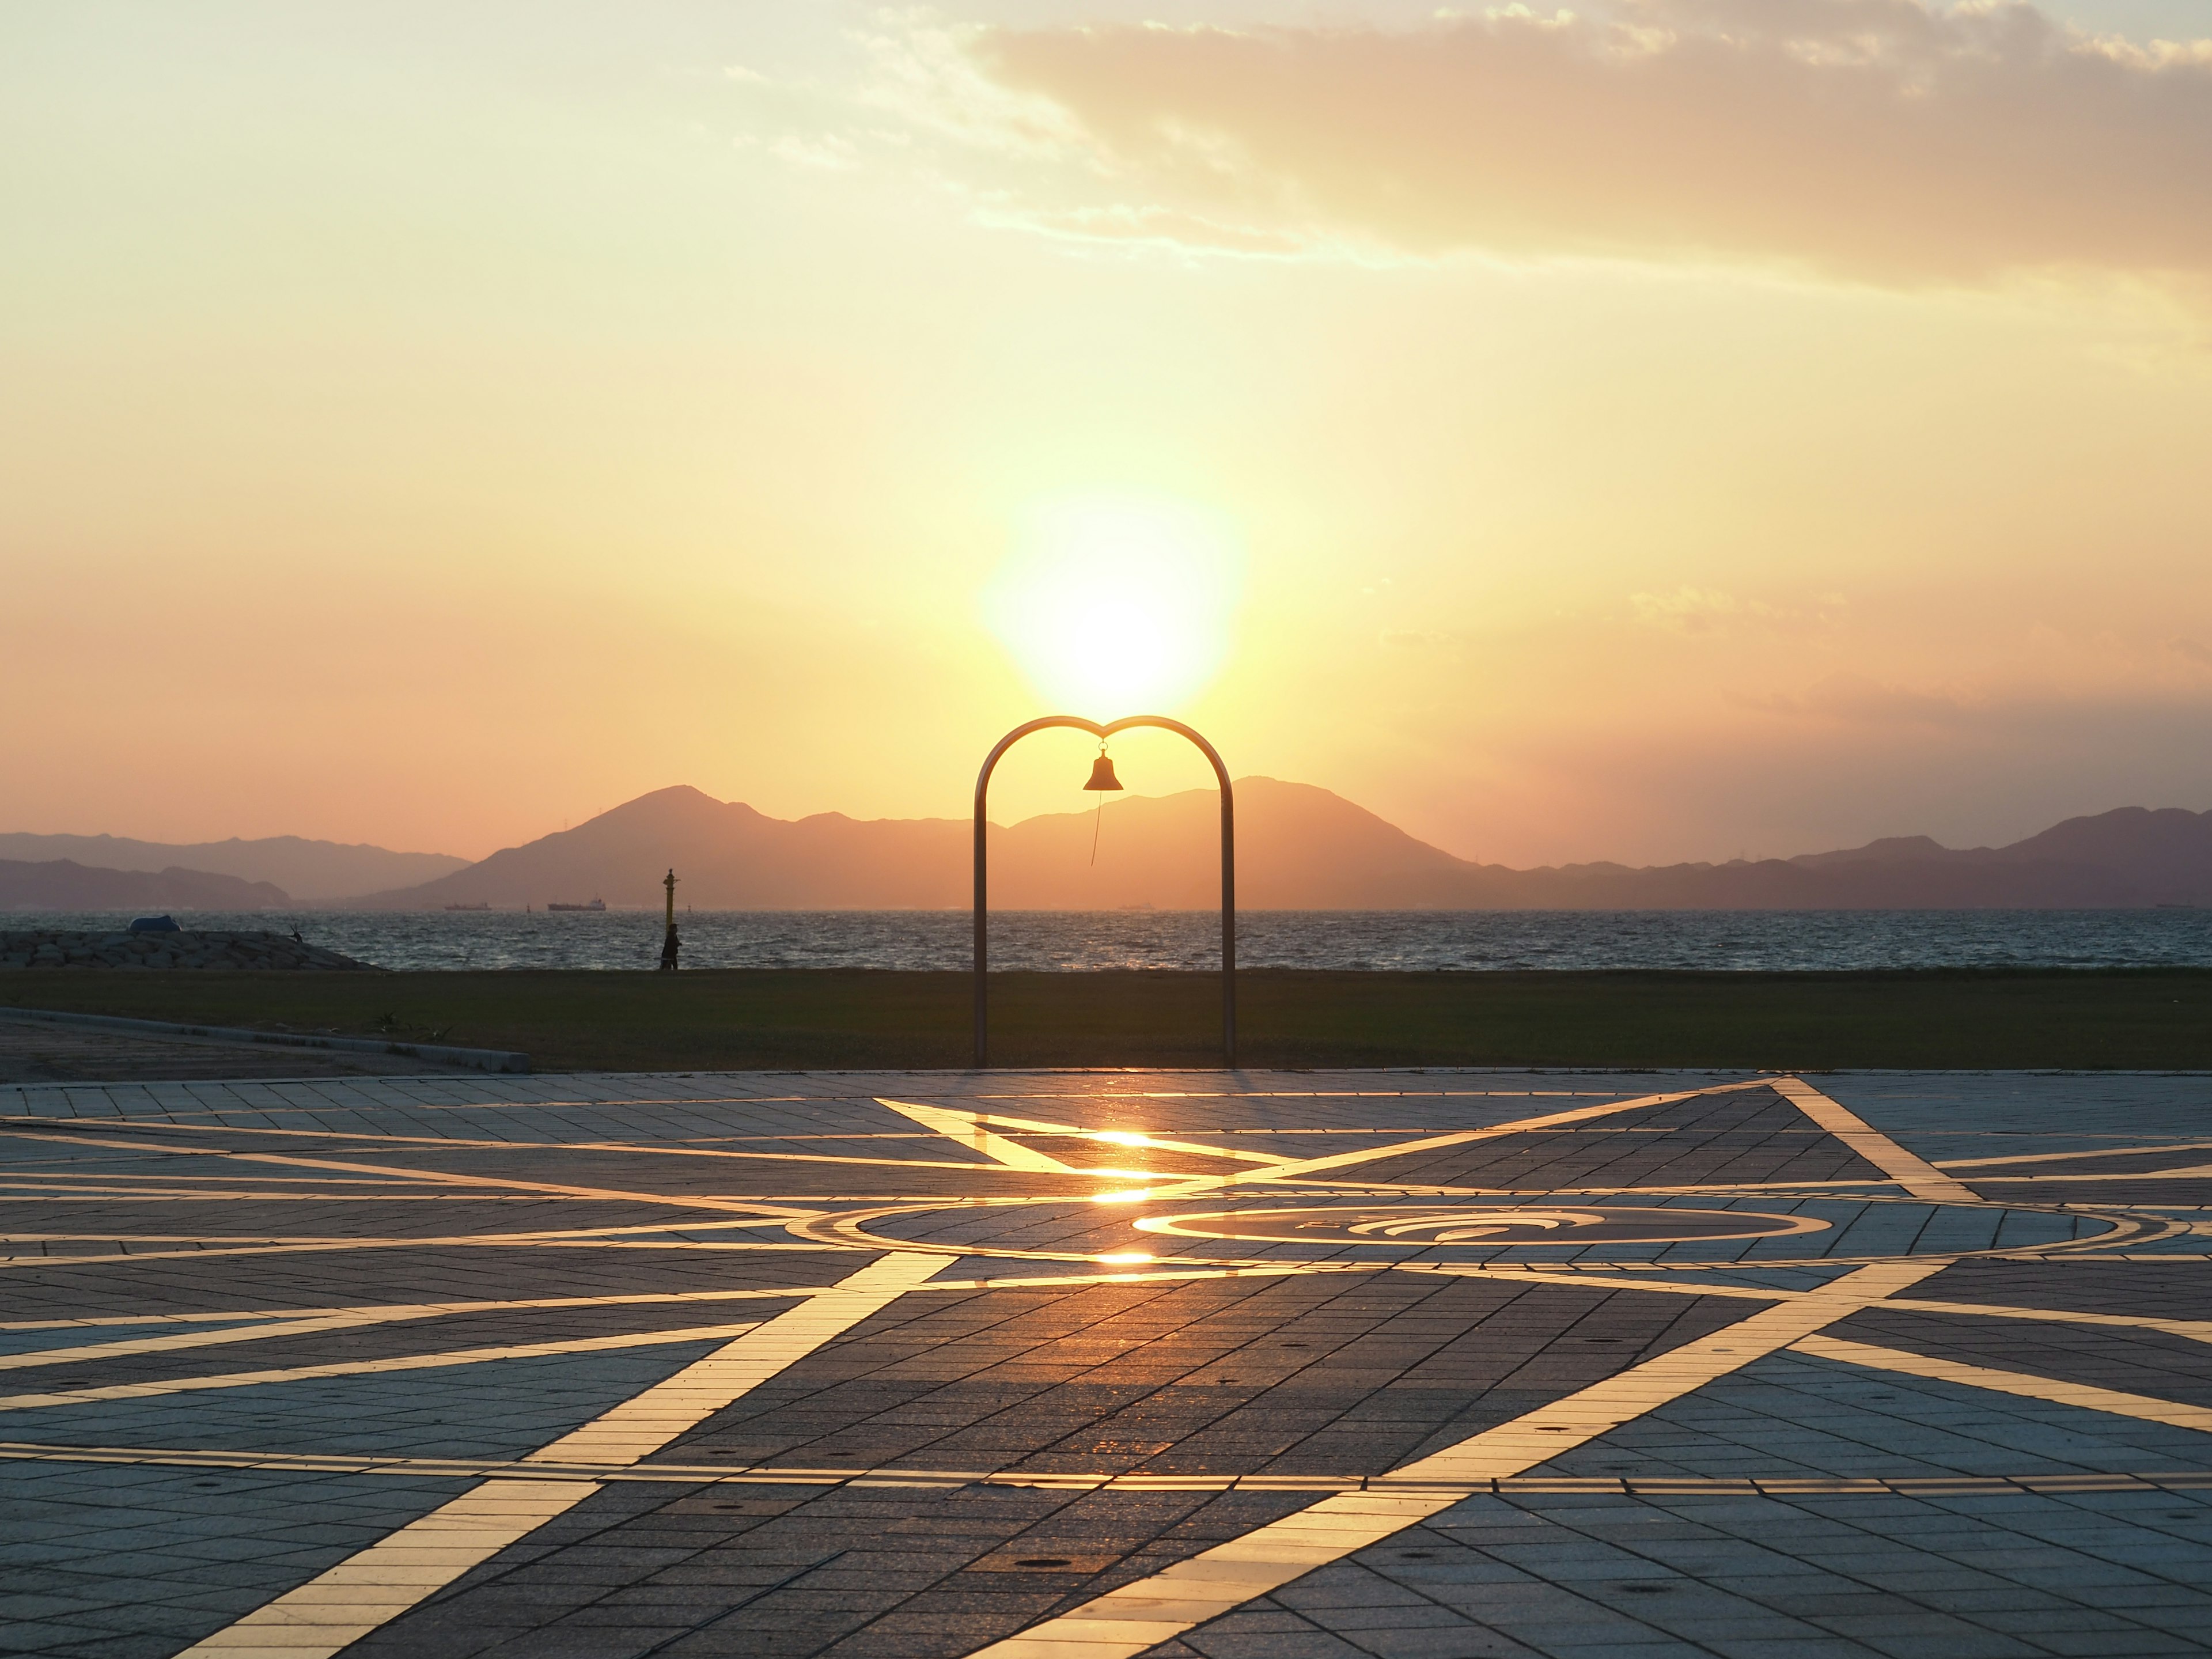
(1077, 941)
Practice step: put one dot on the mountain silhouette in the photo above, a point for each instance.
(1298, 847)
(308, 871)
(64, 885)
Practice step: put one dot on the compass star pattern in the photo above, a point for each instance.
(1099, 1364)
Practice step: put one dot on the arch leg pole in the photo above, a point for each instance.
(1228, 925)
(982, 941)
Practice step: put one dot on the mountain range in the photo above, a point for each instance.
(309, 872)
(65, 885)
(1298, 847)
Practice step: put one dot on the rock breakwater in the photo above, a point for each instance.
(51, 948)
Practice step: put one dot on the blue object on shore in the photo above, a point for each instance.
(155, 925)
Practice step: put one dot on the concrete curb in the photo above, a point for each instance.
(483, 1059)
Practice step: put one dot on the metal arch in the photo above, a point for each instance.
(1227, 866)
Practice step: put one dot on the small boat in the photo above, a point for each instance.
(485, 906)
(596, 904)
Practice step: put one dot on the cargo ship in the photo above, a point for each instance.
(596, 904)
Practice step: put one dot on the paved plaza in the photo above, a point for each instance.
(1312, 1366)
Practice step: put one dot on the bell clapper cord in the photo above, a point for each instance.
(1102, 777)
(1098, 818)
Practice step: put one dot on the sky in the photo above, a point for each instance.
(1664, 430)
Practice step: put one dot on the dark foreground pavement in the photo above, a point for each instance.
(1415, 1365)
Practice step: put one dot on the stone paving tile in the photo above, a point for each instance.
(1793, 1414)
(193, 1550)
(1740, 1587)
(1094, 1371)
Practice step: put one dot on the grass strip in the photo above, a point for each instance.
(824, 1019)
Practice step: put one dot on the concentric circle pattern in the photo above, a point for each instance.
(1700, 1232)
(1416, 1226)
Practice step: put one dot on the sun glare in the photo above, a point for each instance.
(1117, 605)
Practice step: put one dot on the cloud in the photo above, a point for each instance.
(926, 72)
(1874, 139)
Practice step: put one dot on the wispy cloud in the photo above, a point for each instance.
(1875, 139)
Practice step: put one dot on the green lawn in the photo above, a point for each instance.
(2152, 1018)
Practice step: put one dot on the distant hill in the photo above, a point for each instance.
(63, 885)
(309, 871)
(1298, 847)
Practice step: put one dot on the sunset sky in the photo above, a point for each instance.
(1671, 428)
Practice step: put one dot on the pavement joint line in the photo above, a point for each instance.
(1322, 1094)
(458, 1143)
(1159, 1608)
(352, 1318)
(546, 1236)
(22, 1193)
(992, 1121)
(969, 1128)
(2198, 1330)
(400, 1172)
(1107, 1481)
(2155, 1151)
(439, 1309)
(2196, 1172)
(370, 1588)
(485, 1241)
(45, 1177)
(1191, 1186)
(1909, 1170)
(89, 1354)
(692, 1149)
(420, 1361)
(2085, 1396)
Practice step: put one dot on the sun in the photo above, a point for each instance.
(1118, 604)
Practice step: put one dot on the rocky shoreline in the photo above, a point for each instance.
(54, 948)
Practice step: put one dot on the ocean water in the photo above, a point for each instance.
(1072, 941)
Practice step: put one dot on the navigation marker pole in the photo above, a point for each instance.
(670, 943)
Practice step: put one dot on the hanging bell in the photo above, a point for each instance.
(1102, 773)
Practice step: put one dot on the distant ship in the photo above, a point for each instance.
(596, 904)
(485, 906)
